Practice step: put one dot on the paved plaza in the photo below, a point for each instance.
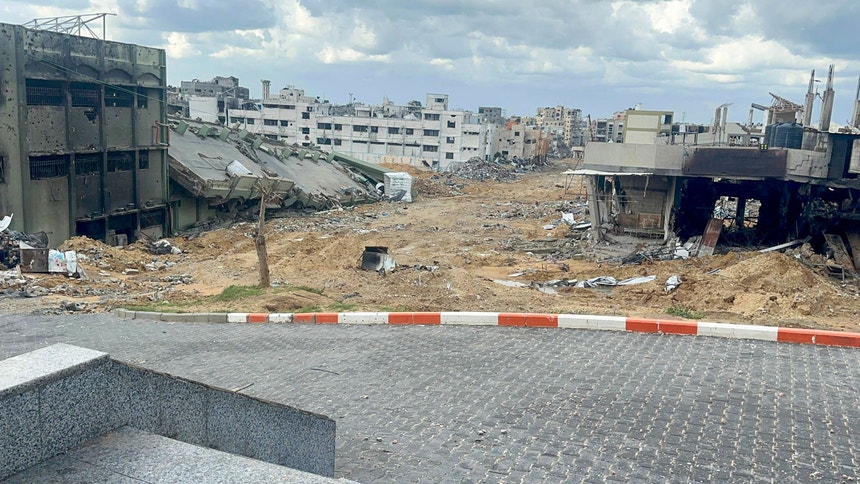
(496, 404)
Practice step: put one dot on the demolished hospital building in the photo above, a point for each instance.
(805, 183)
(82, 132)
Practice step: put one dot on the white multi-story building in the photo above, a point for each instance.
(432, 136)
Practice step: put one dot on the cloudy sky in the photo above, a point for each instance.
(688, 56)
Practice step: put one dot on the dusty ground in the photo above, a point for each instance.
(469, 233)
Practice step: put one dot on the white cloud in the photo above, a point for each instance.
(178, 46)
(334, 55)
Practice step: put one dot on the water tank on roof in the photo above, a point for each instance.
(788, 135)
(769, 131)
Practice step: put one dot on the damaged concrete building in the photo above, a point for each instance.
(215, 169)
(799, 181)
(82, 134)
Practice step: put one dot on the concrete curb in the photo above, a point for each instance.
(528, 320)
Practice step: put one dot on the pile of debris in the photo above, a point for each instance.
(480, 170)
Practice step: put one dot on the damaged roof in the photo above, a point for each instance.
(220, 165)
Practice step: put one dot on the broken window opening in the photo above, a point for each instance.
(120, 161)
(323, 141)
(143, 96)
(88, 164)
(44, 93)
(117, 97)
(143, 160)
(3, 170)
(152, 218)
(452, 124)
(45, 167)
(306, 115)
(86, 96)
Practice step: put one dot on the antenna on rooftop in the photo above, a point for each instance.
(71, 24)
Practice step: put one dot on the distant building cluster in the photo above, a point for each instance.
(431, 135)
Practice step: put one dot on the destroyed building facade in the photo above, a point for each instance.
(82, 139)
(794, 182)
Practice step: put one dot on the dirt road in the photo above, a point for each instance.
(453, 244)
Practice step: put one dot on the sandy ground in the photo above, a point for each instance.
(450, 244)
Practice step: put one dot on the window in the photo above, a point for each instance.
(449, 156)
(440, 99)
(272, 137)
(85, 96)
(431, 117)
(143, 160)
(306, 144)
(306, 131)
(452, 124)
(323, 141)
(323, 125)
(359, 128)
(44, 93)
(337, 142)
(120, 161)
(393, 130)
(374, 129)
(2, 169)
(306, 115)
(516, 133)
(234, 119)
(152, 218)
(117, 97)
(430, 148)
(431, 132)
(44, 167)
(142, 98)
(289, 106)
(410, 131)
(270, 122)
(449, 139)
(250, 121)
(338, 127)
(285, 123)
(88, 164)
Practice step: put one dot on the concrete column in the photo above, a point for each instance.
(593, 206)
(739, 213)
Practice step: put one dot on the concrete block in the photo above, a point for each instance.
(271, 432)
(573, 321)
(607, 323)
(147, 315)
(181, 409)
(470, 318)
(362, 318)
(32, 370)
(20, 440)
(212, 317)
(744, 331)
(76, 409)
(237, 317)
(281, 317)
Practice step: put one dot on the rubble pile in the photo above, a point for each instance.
(480, 170)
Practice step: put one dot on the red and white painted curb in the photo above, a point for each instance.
(569, 321)
(528, 320)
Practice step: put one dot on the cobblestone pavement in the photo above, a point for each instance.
(494, 404)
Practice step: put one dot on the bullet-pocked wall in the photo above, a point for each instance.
(83, 137)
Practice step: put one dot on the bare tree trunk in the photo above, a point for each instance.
(260, 243)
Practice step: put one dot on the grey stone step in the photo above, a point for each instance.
(128, 455)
